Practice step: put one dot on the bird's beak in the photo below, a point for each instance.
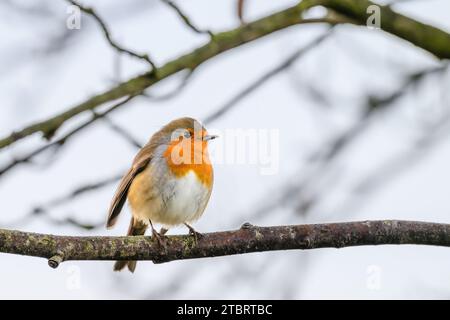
(210, 137)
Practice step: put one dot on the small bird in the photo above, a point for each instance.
(169, 182)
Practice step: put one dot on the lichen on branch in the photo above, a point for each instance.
(247, 239)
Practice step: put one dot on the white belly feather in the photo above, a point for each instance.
(186, 201)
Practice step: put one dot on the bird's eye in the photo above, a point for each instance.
(187, 134)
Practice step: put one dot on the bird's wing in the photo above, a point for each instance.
(140, 162)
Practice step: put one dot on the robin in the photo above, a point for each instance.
(169, 182)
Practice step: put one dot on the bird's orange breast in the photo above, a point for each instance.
(188, 155)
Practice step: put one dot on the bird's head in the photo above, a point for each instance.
(187, 142)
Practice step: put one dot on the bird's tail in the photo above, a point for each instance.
(136, 228)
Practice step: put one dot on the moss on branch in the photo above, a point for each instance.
(245, 240)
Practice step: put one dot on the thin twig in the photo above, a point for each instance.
(163, 97)
(122, 132)
(186, 20)
(90, 11)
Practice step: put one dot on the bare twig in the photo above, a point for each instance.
(122, 132)
(245, 240)
(107, 34)
(186, 20)
(184, 81)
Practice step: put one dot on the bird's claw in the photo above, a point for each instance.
(160, 238)
(197, 235)
(247, 225)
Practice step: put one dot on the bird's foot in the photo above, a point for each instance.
(197, 235)
(247, 225)
(160, 238)
(163, 231)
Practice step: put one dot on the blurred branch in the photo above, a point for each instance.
(122, 132)
(422, 35)
(61, 141)
(37, 9)
(309, 190)
(324, 158)
(264, 78)
(67, 221)
(79, 191)
(398, 165)
(420, 148)
(127, 136)
(107, 34)
(427, 37)
(380, 103)
(379, 178)
(43, 210)
(245, 240)
(185, 19)
(169, 95)
(410, 81)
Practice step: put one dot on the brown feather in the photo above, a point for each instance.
(141, 160)
(240, 10)
(136, 228)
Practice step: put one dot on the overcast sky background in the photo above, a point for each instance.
(354, 62)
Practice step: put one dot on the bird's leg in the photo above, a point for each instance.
(160, 238)
(192, 232)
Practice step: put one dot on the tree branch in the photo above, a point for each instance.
(127, 136)
(425, 36)
(422, 35)
(245, 240)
